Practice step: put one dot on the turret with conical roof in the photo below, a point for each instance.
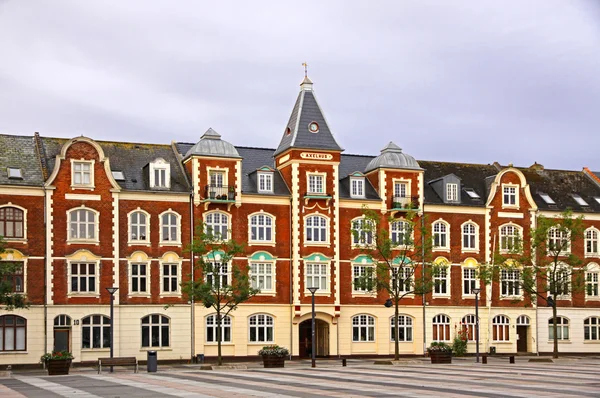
(392, 157)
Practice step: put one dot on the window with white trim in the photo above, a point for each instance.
(451, 192)
(363, 328)
(441, 328)
(83, 277)
(139, 278)
(317, 275)
(14, 277)
(261, 328)
(405, 328)
(400, 233)
(155, 331)
(82, 224)
(404, 277)
(316, 229)
(170, 278)
(440, 235)
(82, 174)
(468, 324)
(362, 232)
(11, 223)
(138, 227)
(212, 329)
(510, 282)
(261, 228)
(265, 182)
(469, 236)
(95, 332)
(559, 240)
(562, 282)
(217, 225)
(440, 281)
(169, 227)
(160, 174)
(217, 274)
(400, 189)
(469, 280)
(261, 276)
(362, 278)
(217, 178)
(357, 187)
(501, 328)
(510, 236)
(591, 282)
(316, 184)
(562, 328)
(591, 242)
(509, 195)
(13, 333)
(591, 328)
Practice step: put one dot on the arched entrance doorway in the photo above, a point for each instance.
(62, 333)
(321, 335)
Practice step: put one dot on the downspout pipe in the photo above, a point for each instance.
(193, 266)
(291, 286)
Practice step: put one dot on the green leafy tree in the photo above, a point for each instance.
(8, 298)
(398, 259)
(215, 287)
(549, 269)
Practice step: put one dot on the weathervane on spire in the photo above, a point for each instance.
(305, 69)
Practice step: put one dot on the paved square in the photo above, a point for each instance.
(416, 378)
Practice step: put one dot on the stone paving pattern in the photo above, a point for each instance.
(572, 377)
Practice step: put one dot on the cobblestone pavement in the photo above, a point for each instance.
(416, 378)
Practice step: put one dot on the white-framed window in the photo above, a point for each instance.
(469, 236)
(262, 276)
(591, 242)
(170, 278)
(317, 275)
(441, 281)
(83, 225)
(160, 174)
(217, 225)
(580, 201)
(212, 329)
(562, 281)
(217, 274)
(265, 182)
(500, 328)
(451, 192)
(139, 278)
(262, 228)
(170, 229)
(12, 223)
(362, 281)
(362, 232)
(316, 229)
(441, 328)
(404, 278)
(95, 332)
(510, 236)
(405, 328)
(401, 189)
(363, 328)
(468, 324)
(591, 328)
(139, 227)
(559, 240)
(15, 280)
(155, 331)
(562, 328)
(13, 333)
(357, 187)
(510, 282)
(469, 281)
(592, 281)
(441, 239)
(82, 173)
(217, 178)
(510, 195)
(400, 233)
(316, 184)
(83, 277)
(261, 328)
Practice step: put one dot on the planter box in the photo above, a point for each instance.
(440, 357)
(270, 361)
(58, 366)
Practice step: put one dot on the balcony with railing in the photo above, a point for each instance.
(220, 193)
(317, 195)
(404, 203)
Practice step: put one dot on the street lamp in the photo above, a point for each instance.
(476, 292)
(111, 291)
(312, 291)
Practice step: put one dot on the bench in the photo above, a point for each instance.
(119, 361)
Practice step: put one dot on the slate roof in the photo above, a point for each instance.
(19, 152)
(211, 144)
(307, 110)
(348, 165)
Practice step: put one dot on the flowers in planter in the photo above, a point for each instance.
(274, 350)
(436, 347)
(49, 356)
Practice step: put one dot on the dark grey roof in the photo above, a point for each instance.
(307, 110)
(211, 144)
(350, 164)
(20, 152)
(392, 157)
(131, 159)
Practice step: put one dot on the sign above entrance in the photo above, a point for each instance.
(316, 155)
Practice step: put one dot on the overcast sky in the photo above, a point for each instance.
(468, 81)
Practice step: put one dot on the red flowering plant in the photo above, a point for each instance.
(49, 356)
(461, 337)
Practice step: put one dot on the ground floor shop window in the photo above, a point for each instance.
(13, 333)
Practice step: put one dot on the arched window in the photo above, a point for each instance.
(562, 328)
(261, 228)
(62, 321)
(13, 333)
(405, 328)
(441, 328)
(469, 236)
(440, 235)
(217, 225)
(523, 320)
(261, 328)
(591, 241)
(82, 224)
(138, 227)
(500, 328)
(591, 328)
(95, 332)
(155, 331)
(316, 229)
(169, 227)
(510, 236)
(363, 328)
(469, 323)
(362, 232)
(211, 329)
(400, 233)
(11, 223)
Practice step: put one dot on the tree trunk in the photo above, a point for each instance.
(554, 326)
(396, 332)
(219, 358)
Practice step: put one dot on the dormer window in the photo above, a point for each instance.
(472, 194)
(14, 173)
(579, 200)
(160, 174)
(265, 182)
(547, 198)
(451, 192)
(357, 187)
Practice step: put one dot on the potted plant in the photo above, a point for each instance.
(440, 352)
(396, 205)
(274, 356)
(231, 192)
(57, 362)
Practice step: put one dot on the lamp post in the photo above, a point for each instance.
(112, 291)
(476, 291)
(313, 350)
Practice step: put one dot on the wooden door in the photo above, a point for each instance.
(522, 338)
